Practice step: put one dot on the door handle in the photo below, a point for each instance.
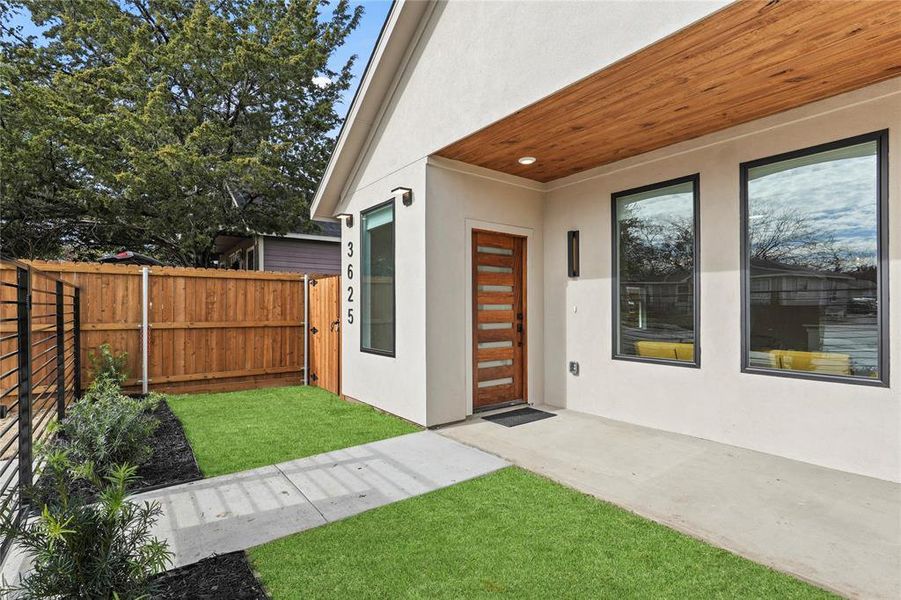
(519, 327)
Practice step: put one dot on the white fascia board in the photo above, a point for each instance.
(378, 80)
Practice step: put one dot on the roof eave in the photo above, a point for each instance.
(398, 31)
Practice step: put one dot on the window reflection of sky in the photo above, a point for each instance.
(836, 199)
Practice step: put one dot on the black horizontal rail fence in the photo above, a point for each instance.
(40, 372)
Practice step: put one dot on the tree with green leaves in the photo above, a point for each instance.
(158, 124)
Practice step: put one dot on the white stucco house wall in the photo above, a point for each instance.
(437, 207)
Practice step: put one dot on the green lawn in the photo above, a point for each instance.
(510, 533)
(241, 430)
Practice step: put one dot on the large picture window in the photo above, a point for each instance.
(814, 273)
(377, 280)
(655, 250)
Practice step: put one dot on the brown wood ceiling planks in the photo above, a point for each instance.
(749, 60)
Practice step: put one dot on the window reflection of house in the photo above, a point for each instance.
(658, 310)
(795, 307)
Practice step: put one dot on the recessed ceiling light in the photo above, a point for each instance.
(527, 160)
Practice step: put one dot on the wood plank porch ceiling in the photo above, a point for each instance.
(749, 60)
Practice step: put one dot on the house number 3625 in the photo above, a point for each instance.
(350, 288)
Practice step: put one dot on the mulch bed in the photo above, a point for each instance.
(221, 577)
(173, 460)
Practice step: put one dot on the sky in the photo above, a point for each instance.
(360, 42)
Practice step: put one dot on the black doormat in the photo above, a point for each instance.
(520, 416)
(221, 577)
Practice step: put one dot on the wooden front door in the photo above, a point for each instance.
(499, 319)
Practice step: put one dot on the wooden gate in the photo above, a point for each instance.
(325, 333)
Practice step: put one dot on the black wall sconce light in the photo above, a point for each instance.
(347, 218)
(406, 195)
(572, 253)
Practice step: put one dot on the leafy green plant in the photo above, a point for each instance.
(84, 549)
(106, 428)
(107, 364)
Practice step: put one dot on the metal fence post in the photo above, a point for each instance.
(306, 329)
(145, 328)
(76, 331)
(23, 330)
(60, 355)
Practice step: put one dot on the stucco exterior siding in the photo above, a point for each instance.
(838, 425)
(396, 384)
(459, 199)
(461, 75)
(301, 256)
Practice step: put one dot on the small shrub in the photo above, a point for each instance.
(107, 364)
(81, 549)
(106, 428)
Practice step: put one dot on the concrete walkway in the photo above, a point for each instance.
(234, 512)
(838, 530)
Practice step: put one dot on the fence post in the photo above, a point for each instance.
(60, 355)
(76, 331)
(23, 330)
(145, 292)
(306, 329)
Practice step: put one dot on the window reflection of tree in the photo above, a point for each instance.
(655, 272)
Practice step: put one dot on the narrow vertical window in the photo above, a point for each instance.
(377, 280)
(814, 258)
(655, 249)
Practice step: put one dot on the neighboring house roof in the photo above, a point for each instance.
(329, 232)
(375, 87)
(772, 268)
(127, 257)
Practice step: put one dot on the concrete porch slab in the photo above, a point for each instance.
(837, 530)
(238, 511)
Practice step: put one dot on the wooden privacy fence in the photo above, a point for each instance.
(206, 329)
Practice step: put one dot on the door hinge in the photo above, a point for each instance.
(313, 282)
(314, 377)
(314, 330)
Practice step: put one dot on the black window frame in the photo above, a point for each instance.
(695, 180)
(882, 262)
(363, 213)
